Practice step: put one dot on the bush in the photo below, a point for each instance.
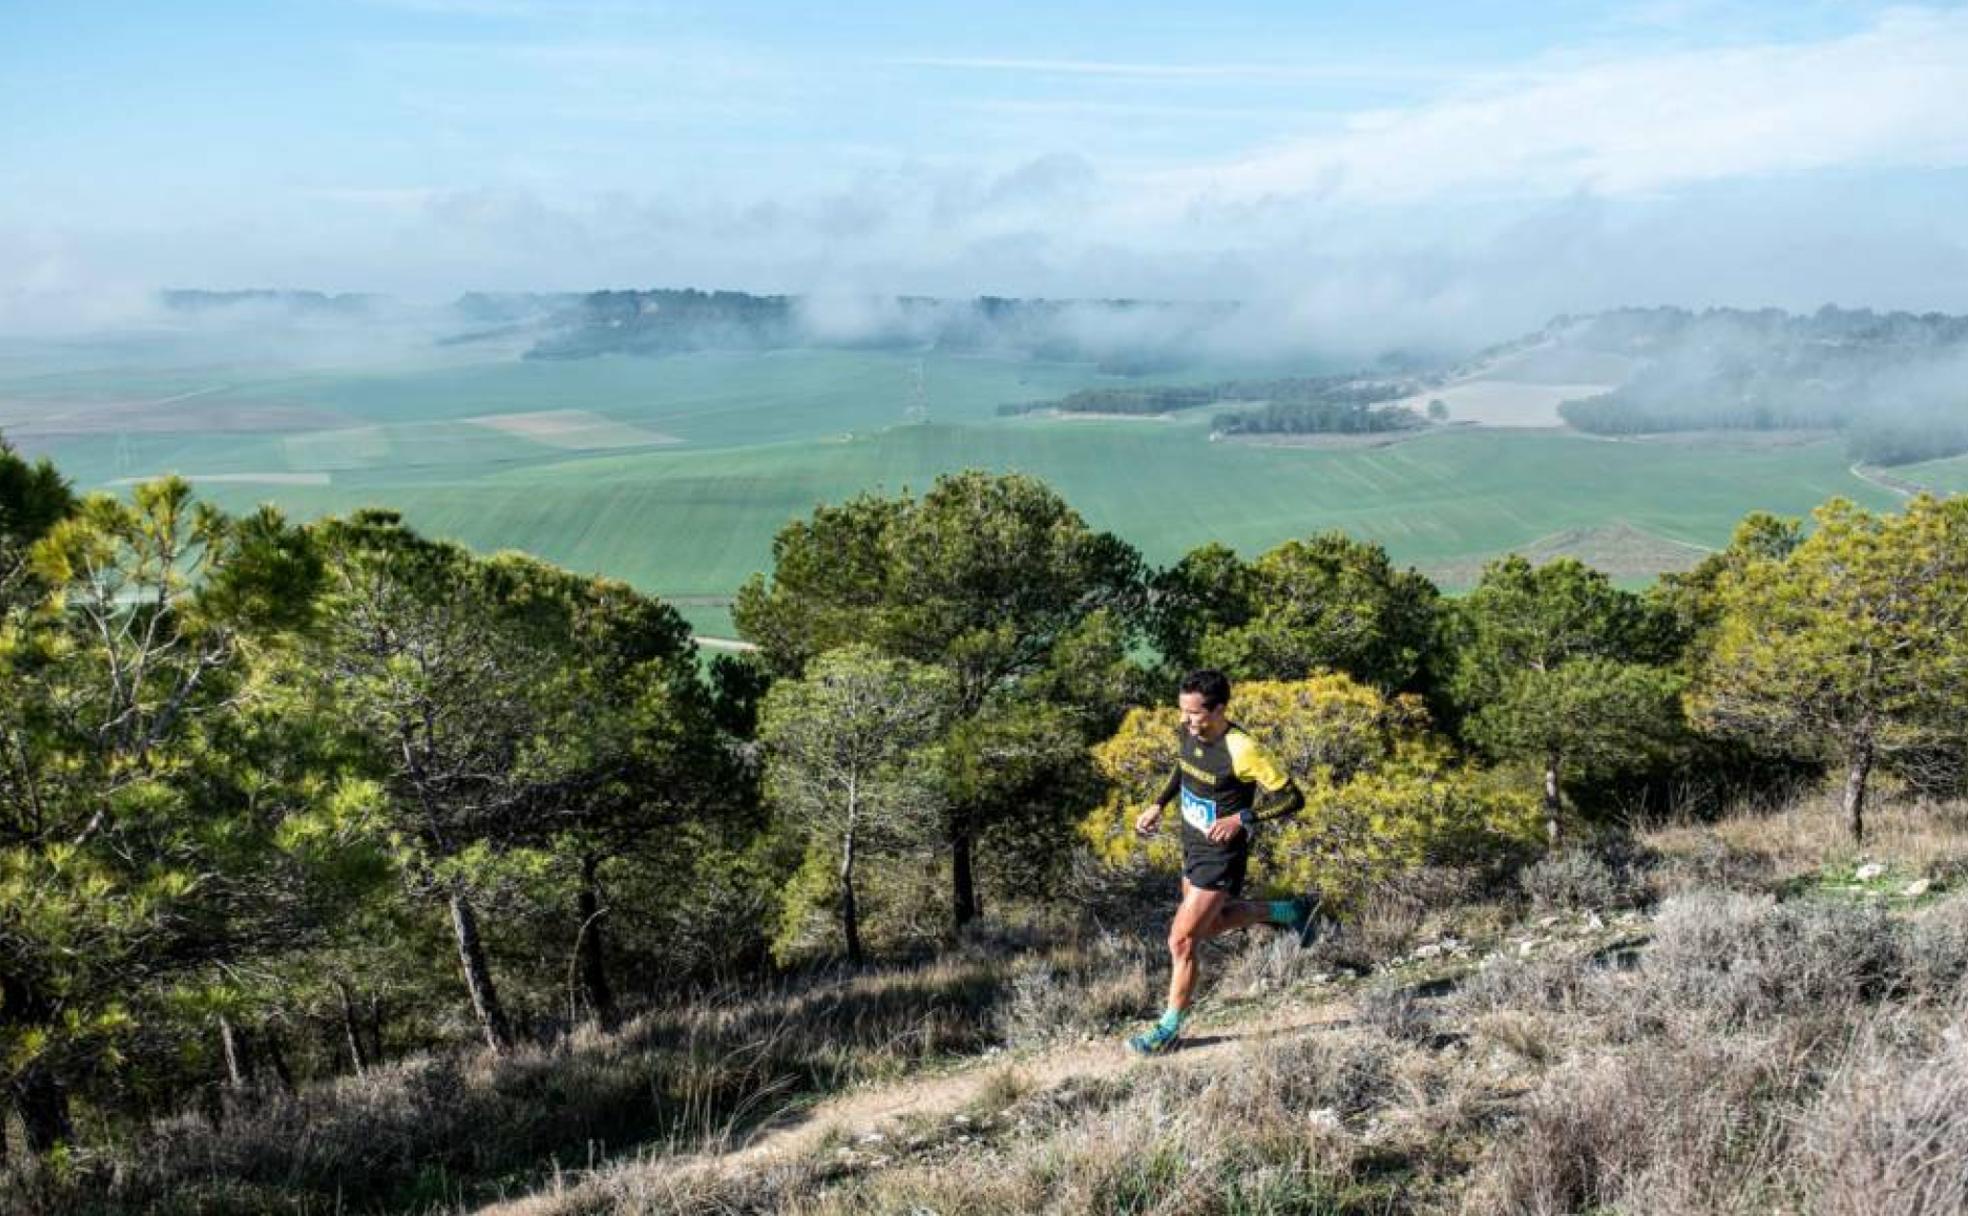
(1384, 792)
(1937, 951)
(1395, 1011)
(1889, 1137)
(1072, 996)
(1738, 960)
(1525, 985)
(1668, 1128)
(1574, 880)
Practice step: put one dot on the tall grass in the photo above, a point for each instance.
(445, 1127)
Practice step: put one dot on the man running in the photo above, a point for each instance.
(1218, 773)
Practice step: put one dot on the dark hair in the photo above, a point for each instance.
(1214, 685)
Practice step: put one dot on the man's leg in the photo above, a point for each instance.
(1198, 907)
(1201, 915)
(1195, 922)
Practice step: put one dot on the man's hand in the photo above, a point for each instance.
(1146, 822)
(1223, 831)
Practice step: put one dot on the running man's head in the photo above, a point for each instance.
(1204, 701)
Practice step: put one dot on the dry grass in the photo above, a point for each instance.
(437, 1129)
(1071, 995)
(1152, 1142)
(1914, 837)
(1889, 1135)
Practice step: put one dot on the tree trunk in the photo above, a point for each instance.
(850, 919)
(1552, 806)
(43, 1106)
(594, 964)
(39, 1096)
(963, 884)
(357, 1056)
(277, 1060)
(234, 1051)
(478, 976)
(1857, 773)
(376, 1052)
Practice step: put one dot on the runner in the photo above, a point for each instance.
(1218, 773)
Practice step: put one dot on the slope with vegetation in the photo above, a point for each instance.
(344, 869)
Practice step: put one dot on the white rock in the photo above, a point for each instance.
(1869, 871)
(1593, 922)
(1918, 887)
(1545, 922)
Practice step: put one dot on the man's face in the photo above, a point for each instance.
(1206, 722)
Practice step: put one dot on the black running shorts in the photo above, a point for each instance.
(1216, 869)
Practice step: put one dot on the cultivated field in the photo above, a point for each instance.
(1941, 476)
(674, 473)
(697, 523)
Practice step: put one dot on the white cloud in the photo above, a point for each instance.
(1888, 97)
(1252, 71)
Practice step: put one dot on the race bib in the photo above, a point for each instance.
(1198, 812)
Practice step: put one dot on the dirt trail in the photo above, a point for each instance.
(877, 1109)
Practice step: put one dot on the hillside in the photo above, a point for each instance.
(1743, 1017)
(1746, 1016)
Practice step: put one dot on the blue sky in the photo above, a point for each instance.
(1439, 167)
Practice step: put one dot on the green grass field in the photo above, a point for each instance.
(1948, 476)
(763, 438)
(696, 524)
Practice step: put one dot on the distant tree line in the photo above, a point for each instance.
(1894, 384)
(345, 305)
(1318, 417)
(280, 802)
(1125, 337)
(1293, 405)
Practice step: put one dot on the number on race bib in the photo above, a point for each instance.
(1198, 812)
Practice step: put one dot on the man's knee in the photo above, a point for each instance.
(1181, 942)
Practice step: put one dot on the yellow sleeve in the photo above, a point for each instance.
(1251, 762)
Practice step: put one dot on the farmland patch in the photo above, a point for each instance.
(574, 430)
(261, 479)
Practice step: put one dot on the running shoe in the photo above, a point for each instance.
(1155, 1040)
(1305, 920)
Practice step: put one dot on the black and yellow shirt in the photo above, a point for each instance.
(1220, 779)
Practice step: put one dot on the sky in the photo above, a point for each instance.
(1412, 170)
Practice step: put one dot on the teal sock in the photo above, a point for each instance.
(1172, 1019)
(1281, 911)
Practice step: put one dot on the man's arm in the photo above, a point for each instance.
(1145, 822)
(1269, 804)
(1277, 794)
(1278, 803)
